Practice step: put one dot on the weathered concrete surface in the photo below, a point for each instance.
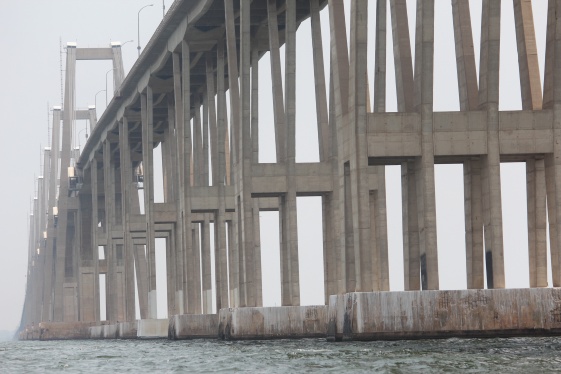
(96, 332)
(152, 328)
(128, 330)
(288, 322)
(62, 330)
(193, 326)
(111, 331)
(435, 314)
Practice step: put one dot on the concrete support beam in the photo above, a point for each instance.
(490, 163)
(148, 167)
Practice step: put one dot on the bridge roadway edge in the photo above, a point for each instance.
(393, 315)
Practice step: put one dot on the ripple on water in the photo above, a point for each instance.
(519, 355)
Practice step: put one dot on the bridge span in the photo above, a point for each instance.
(206, 52)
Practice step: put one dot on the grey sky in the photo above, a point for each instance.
(31, 78)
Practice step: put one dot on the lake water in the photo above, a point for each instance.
(514, 355)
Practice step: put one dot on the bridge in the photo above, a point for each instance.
(193, 92)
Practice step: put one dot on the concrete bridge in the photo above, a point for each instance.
(175, 97)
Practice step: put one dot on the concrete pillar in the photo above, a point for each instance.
(170, 273)
(402, 56)
(65, 287)
(197, 144)
(531, 91)
(379, 214)
(146, 100)
(276, 79)
(48, 293)
(319, 80)
(255, 105)
(490, 163)
(233, 266)
(338, 110)
(181, 187)
(405, 97)
(220, 255)
(126, 196)
(467, 89)
(205, 256)
(195, 287)
(108, 224)
(551, 99)
(358, 156)
(290, 279)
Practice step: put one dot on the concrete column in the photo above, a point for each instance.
(276, 79)
(405, 100)
(233, 266)
(319, 79)
(426, 210)
(48, 293)
(289, 248)
(170, 273)
(411, 258)
(490, 163)
(255, 105)
(180, 196)
(358, 155)
(87, 275)
(258, 285)
(381, 262)
(108, 224)
(205, 256)
(232, 59)
(94, 230)
(537, 239)
(205, 143)
(531, 91)
(402, 56)
(148, 166)
(43, 212)
(338, 110)
(196, 269)
(197, 143)
(220, 255)
(467, 89)
(126, 196)
(552, 99)
(474, 224)
(211, 106)
(65, 297)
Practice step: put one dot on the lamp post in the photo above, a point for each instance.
(138, 27)
(95, 99)
(128, 41)
(106, 85)
(81, 131)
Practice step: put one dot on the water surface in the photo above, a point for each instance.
(514, 355)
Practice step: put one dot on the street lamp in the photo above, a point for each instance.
(81, 131)
(128, 41)
(95, 99)
(138, 26)
(106, 85)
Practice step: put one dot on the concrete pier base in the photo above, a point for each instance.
(62, 330)
(351, 316)
(193, 326)
(152, 328)
(97, 332)
(287, 322)
(440, 314)
(111, 331)
(128, 330)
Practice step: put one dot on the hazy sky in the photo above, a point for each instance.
(31, 79)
